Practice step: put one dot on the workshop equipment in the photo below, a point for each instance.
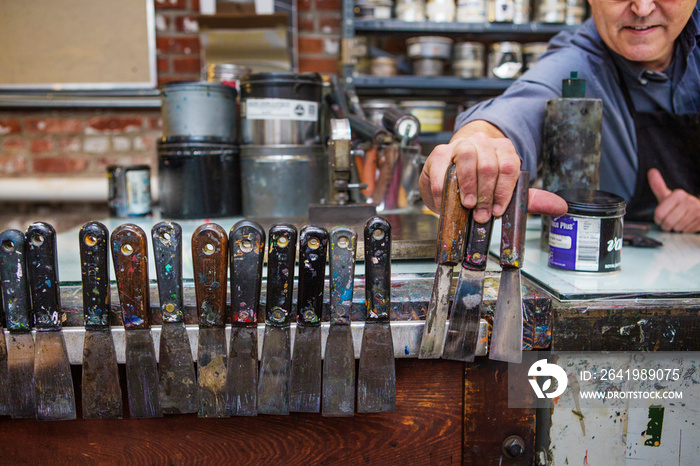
(4, 377)
(305, 377)
(247, 245)
(101, 390)
(54, 396)
(210, 261)
(177, 382)
(450, 245)
(507, 335)
(273, 383)
(339, 365)
(130, 258)
(463, 331)
(18, 317)
(376, 376)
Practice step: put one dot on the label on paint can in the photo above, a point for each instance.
(585, 244)
(280, 109)
(138, 191)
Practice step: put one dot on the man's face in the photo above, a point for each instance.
(643, 31)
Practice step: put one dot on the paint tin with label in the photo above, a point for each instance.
(589, 237)
(129, 190)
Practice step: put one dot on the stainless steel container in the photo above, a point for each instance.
(410, 10)
(440, 11)
(281, 108)
(468, 60)
(501, 11)
(374, 109)
(505, 60)
(384, 66)
(429, 54)
(575, 12)
(227, 73)
(199, 110)
(551, 11)
(373, 9)
(282, 180)
(472, 11)
(521, 11)
(129, 190)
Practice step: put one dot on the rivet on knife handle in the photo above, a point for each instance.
(210, 260)
(339, 366)
(305, 376)
(130, 258)
(102, 393)
(376, 377)
(177, 385)
(450, 245)
(247, 250)
(18, 315)
(507, 335)
(273, 383)
(53, 383)
(463, 330)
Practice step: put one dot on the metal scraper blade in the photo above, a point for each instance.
(20, 370)
(177, 379)
(463, 330)
(211, 363)
(273, 385)
(242, 375)
(53, 384)
(305, 379)
(433, 338)
(102, 393)
(376, 377)
(142, 374)
(339, 373)
(4, 388)
(507, 335)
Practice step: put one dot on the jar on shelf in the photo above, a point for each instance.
(429, 54)
(521, 11)
(532, 52)
(505, 60)
(410, 10)
(373, 9)
(575, 12)
(430, 114)
(468, 61)
(551, 11)
(501, 11)
(384, 66)
(441, 11)
(472, 11)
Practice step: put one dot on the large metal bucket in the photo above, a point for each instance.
(281, 108)
(199, 110)
(281, 181)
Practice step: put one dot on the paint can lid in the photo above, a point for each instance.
(591, 202)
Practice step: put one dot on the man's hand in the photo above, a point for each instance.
(677, 210)
(487, 171)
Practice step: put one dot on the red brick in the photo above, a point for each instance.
(163, 65)
(310, 45)
(10, 126)
(328, 5)
(183, 65)
(59, 164)
(41, 146)
(155, 123)
(53, 125)
(170, 4)
(144, 143)
(319, 65)
(114, 124)
(162, 23)
(305, 5)
(186, 24)
(13, 165)
(70, 145)
(194, 5)
(306, 23)
(329, 24)
(184, 45)
(13, 146)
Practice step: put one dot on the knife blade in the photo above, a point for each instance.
(273, 383)
(177, 382)
(376, 375)
(210, 261)
(18, 315)
(247, 244)
(463, 329)
(339, 365)
(54, 395)
(451, 233)
(102, 392)
(305, 378)
(130, 257)
(507, 335)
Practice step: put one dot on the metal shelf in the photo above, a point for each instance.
(433, 85)
(148, 98)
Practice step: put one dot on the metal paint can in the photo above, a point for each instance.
(384, 66)
(376, 9)
(505, 60)
(429, 54)
(575, 12)
(410, 10)
(202, 109)
(198, 180)
(281, 108)
(430, 114)
(589, 237)
(521, 11)
(472, 11)
(532, 52)
(129, 190)
(227, 73)
(501, 11)
(468, 60)
(282, 180)
(440, 11)
(375, 108)
(551, 11)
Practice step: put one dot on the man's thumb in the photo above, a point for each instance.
(658, 185)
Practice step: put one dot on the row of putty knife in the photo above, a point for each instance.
(35, 376)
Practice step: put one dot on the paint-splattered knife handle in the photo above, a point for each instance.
(342, 271)
(42, 266)
(94, 245)
(378, 269)
(313, 249)
(210, 261)
(15, 287)
(476, 251)
(281, 256)
(167, 252)
(514, 222)
(453, 222)
(130, 257)
(247, 244)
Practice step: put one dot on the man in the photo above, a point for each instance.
(641, 58)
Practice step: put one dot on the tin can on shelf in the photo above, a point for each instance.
(551, 11)
(129, 190)
(410, 10)
(501, 11)
(383, 66)
(472, 11)
(430, 114)
(505, 60)
(521, 11)
(374, 9)
(440, 11)
(429, 54)
(575, 12)
(375, 108)
(468, 60)
(532, 52)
